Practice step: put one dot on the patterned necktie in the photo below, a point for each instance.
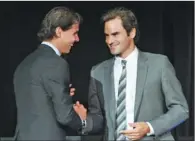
(121, 104)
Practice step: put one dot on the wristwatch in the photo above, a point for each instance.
(84, 123)
(83, 126)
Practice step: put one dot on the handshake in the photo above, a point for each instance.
(78, 108)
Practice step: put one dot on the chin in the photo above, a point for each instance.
(115, 53)
(66, 52)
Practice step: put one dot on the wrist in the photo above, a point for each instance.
(83, 117)
(150, 130)
(147, 128)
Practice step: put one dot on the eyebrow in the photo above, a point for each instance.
(76, 32)
(114, 33)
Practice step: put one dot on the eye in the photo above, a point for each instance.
(75, 33)
(115, 33)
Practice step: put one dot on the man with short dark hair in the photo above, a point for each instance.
(41, 81)
(135, 95)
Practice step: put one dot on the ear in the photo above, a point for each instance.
(58, 31)
(133, 33)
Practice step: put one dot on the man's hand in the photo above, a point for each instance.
(72, 90)
(140, 129)
(80, 110)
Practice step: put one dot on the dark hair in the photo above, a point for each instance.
(128, 18)
(57, 17)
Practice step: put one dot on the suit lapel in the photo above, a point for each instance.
(142, 69)
(109, 89)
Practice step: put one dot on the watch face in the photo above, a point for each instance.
(83, 123)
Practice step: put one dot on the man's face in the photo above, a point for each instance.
(116, 36)
(69, 37)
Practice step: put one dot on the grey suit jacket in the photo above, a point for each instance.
(159, 97)
(44, 107)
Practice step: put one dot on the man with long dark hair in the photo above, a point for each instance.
(41, 81)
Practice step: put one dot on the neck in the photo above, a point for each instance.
(128, 51)
(55, 43)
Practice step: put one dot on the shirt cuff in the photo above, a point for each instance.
(151, 129)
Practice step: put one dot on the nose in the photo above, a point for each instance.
(109, 40)
(77, 38)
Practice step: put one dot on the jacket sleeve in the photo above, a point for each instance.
(56, 84)
(94, 117)
(175, 101)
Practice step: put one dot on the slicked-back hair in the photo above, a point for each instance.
(128, 18)
(62, 17)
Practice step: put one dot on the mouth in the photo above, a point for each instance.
(71, 45)
(112, 47)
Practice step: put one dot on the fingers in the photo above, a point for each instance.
(72, 91)
(131, 134)
(124, 132)
(80, 110)
(76, 108)
(128, 132)
(77, 103)
(137, 132)
(132, 125)
(71, 94)
(79, 106)
(133, 137)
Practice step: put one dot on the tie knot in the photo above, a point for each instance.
(123, 62)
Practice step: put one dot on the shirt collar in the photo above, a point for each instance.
(133, 55)
(53, 47)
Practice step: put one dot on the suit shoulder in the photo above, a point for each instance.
(101, 65)
(50, 59)
(154, 55)
(39, 59)
(55, 60)
(156, 58)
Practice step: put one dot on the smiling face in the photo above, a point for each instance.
(67, 38)
(117, 39)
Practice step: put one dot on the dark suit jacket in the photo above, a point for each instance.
(159, 97)
(41, 85)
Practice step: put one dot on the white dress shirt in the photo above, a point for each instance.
(53, 47)
(131, 67)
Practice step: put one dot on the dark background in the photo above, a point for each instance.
(166, 28)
